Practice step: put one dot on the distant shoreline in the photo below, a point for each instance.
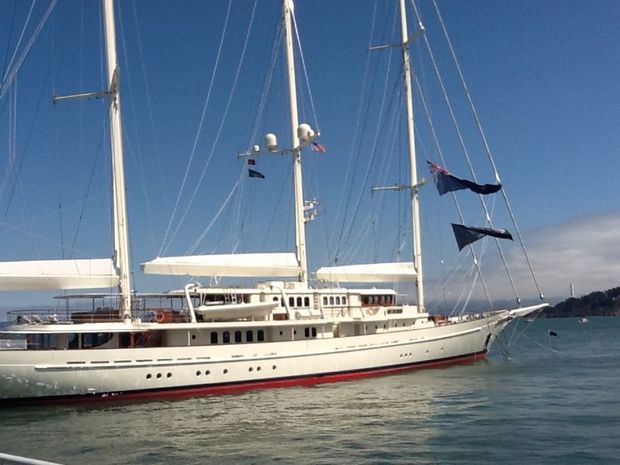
(599, 303)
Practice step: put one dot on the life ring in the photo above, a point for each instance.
(370, 311)
(160, 316)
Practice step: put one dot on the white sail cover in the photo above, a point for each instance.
(58, 274)
(368, 273)
(228, 265)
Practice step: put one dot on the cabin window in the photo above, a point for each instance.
(260, 335)
(324, 300)
(214, 337)
(307, 332)
(306, 301)
(291, 301)
(249, 336)
(275, 299)
(299, 304)
(41, 341)
(73, 341)
(337, 300)
(226, 337)
(237, 336)
(331, 300)
(344, 300)
(95, 340)
(313, 332)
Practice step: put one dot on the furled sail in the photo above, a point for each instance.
(465, 235)
(227, 265)
(58, 274)
(368, 273)
(447, 182)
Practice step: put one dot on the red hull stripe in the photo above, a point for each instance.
(228, 388)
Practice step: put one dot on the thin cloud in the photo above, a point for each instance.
(584, 252)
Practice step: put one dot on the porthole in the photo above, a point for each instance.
(281, 333)
(168, 375)
(257, 368)
(207, 373)
(250, 369)
(225, 370)
(158, 375)
(193, 336)
(273, 367)
(149, 376)
(198, 373)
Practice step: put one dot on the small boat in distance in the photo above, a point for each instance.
(584, 320)
(217, 339)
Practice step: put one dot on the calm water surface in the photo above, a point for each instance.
(554, 401)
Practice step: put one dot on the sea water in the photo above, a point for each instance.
(548, 400)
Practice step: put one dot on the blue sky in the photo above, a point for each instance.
(541, 73)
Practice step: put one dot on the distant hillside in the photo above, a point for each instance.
(601, 303)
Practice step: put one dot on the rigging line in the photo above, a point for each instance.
(394, 118)
(62, 233)
(25, 150)
(195, 245)
(452, 194)
(10, 76)
(19, 41)
(9, 228)
(199, 131)
(303, 65)
(242, 209)
(90, 182)
(348, 177)
(374, 147)
(283, 189)
(266, 86)
(32, 221)
(487, 149)
(12, 139)
(221, 126)
(149, 103)
(136, 153)
(466, 154)
(9, 35)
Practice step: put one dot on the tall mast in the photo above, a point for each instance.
(121, 243)
(413, 176)
(300, 233)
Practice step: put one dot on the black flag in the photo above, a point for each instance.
(255, 174)
(465, 235)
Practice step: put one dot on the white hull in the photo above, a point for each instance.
(28, 375)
